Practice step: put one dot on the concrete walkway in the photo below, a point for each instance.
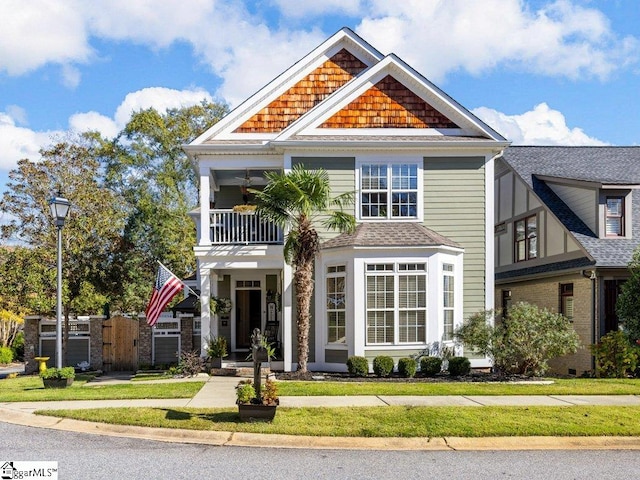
(220, 392)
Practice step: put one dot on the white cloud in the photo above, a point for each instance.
(560, 39)
(94, 121)
(18, 142)
(159, 98)
(313, 8)
(540, 126)
(38, 32)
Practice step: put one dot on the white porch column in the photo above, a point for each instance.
(205, 217)
(208, 322)
(287, 320)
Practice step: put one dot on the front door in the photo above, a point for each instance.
(248, 316)
(611, 293)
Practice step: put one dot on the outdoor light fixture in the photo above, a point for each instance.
(59, 209)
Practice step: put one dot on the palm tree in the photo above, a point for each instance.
(295, 201)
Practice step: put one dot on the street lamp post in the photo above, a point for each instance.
(59, 208)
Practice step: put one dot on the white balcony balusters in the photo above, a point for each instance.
(241, 228)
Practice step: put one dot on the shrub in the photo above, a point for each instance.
(18, 346)
(407, 367)
(615, 356)
(64, 372)
(430, 366)
(190, 364)
(270, 392)
(383, 365)
(459, 366)
(358, 366)
(245, 391)
(522, 343)
(6, 355)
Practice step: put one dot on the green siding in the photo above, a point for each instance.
(342, 179)
(454, 206)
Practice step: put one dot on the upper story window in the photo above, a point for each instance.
(389, 190)
(614, 224)
(526, 238)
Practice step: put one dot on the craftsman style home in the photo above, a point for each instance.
(422, 169)
(567, 223)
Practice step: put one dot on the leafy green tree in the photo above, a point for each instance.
(93, 227)
(628, 302)
(524, 342)
(147, 167)
(295, 201)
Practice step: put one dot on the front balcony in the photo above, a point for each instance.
(242, 228)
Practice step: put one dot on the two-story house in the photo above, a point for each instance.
(422, 169)
(567, 223)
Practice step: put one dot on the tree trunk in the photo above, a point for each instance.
(303, 279)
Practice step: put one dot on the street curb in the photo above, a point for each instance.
(242, 439)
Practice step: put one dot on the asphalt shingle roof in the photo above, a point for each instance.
(390, 234)
(606, 165)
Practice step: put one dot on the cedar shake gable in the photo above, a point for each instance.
(305, 94)
(388, 104)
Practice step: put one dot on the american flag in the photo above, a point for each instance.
(166, 287)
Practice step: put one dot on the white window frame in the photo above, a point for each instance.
(391, 162)
(448, 271)
(333, 272)
(397, 269)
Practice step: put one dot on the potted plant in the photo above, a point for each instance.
(217, 350)
(220, 305)
(255, 401)
(58, 377)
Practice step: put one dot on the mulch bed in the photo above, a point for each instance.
(345, 377)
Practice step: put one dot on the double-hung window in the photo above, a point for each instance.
(526, 238)
(566, 300)
(448, 300)
(336, 304)
(396, 303)
(614, 225)
(389, 190)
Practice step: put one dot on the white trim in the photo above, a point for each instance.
(390, 160)
(489, 212)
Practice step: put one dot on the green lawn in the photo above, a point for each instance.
(31, 389)
(387, 421)
(578, 386)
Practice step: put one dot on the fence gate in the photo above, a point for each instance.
(120, 344)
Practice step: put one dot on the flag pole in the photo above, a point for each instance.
(184, 284)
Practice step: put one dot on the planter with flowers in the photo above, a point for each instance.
(255, 401)
(58, 377)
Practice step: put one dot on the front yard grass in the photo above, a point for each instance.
(574, 386)
(31, 389)
(386, 421)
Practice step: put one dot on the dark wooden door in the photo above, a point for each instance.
(248, 315)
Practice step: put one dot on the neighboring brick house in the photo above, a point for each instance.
(422, 169)
(567, 223)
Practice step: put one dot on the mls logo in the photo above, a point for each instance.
(6, 471)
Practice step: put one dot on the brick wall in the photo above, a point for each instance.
(144, 342)
(545, 293)
(186, 334)
(95, 347)
(31, 345)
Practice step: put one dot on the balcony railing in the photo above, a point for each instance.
(236, 228)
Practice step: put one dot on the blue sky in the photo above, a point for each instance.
(563, 72)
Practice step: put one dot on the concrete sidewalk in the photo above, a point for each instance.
(220, 392)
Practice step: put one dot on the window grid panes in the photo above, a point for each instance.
(336, 304)
(448, 301)
(615, 217)
(526, 239)
(389, 192)
(396, 303)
